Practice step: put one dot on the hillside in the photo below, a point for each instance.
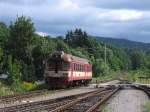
(124, 43)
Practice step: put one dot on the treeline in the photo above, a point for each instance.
(124, 43)
(22, 52)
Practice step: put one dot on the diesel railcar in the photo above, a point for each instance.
(63, 70)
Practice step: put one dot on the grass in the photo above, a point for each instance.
(5, 90)
(20, 87)
(23, 87)
(147, 107)
(108, 77)
(106, 109)
(134, 76)
(131, 76)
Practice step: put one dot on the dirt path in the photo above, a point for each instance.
(128, 100)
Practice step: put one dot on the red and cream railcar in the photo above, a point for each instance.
(67, 70)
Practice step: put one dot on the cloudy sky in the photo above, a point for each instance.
(128, 19)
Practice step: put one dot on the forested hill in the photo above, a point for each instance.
(124, 43)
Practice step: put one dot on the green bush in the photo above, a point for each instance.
(5, 90)
(14, 70)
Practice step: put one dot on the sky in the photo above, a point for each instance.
(128, 19)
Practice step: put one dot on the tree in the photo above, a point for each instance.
(21, 33)
(14, 70)
(61, 46)
(100, 68)
(4, 33)
(76, 38)
(137, 59)
(28, 72)
(20, 45)
(1, 60)
(38, 62)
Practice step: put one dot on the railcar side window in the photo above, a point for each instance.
(74, 66)
(80, 68)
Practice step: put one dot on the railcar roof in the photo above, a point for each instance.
(70, 58)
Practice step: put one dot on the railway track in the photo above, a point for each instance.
(36, 105)
(19, 97)
(146, 89)
(85, 102)
(90, 103)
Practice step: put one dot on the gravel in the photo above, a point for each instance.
(128, 100)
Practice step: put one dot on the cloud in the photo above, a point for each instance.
(43, 34)
(110, 18)
(22, 2)
(121, 15)
(116, 4)
(66, 4)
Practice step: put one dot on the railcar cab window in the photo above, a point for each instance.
(51, 64)
(57, 65)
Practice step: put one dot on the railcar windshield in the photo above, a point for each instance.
(57, 65)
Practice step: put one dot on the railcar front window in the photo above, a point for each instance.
(56, 66)
(65, 66)
(51, 65)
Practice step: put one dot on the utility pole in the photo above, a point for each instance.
(105, 55)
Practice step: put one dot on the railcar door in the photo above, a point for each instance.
(72, 70)
(85, 70)
(56, 67)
